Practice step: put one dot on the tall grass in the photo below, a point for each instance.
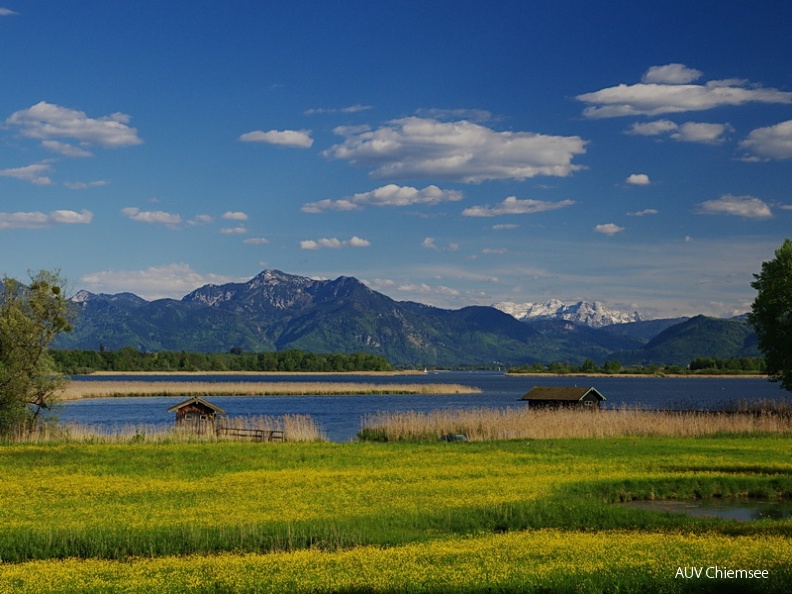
(483, 424)
(75, 390)
(294, 427)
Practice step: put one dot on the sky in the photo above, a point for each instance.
(451, 153)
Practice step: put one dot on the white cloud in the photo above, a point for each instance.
(151, 216)
(642, 213)
(7, 12)
(741, 206)
(348, 109)
(256, 241)
(638, 179)
(661, 92)
(36, 220)
(512, 205)
(239, 230)
(653, 128)
(290, 138)
(170, 280)
(46, 121)
(416, 147)
(702, 132)
(388, 195)
(85, 185)
(504, 226)
(202, 219)
(706, 133)
(671, 74)
(333, 243)
(609, 229)
(65, 149)
(30, 173)
(430, 244)
(772, 142)
(235, 216)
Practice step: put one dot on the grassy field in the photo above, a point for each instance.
(501, 516)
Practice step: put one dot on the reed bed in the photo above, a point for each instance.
(484, 424)
(295, 428)
(75, 390)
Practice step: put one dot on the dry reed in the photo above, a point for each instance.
(294, 428)
(522, 423)
(76, 390)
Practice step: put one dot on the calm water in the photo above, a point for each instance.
(340, 416)
(741, 510)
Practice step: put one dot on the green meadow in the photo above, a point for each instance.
(539, 515)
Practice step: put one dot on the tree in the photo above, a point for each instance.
(30, 318)
(771, 314)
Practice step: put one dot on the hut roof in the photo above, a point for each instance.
(561, 393)
(200, 401)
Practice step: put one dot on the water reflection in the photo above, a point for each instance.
(741, 510)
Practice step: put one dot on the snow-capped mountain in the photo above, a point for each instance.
(592, 314)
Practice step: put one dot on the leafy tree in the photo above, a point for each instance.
(30, 318)
(771, 314)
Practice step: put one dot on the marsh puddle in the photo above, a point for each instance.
(741, 510)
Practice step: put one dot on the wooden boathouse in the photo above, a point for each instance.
(564, 397)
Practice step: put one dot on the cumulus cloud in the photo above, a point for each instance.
(772, 142)
(7, 12)
(513, 205)
(30, 173)
(35, 220)
(642, 213)
(46, 122)
(235, 216)
(256, 241)
(151, 216)
(653, 128)
(430, 244)
(671, 74)
(638, 179)
(388, 195)
(701, 132)
(609, 229)
(333, 243)
(238, 230)
(290, 138)
(170, 280)
(667, 89)
(742, 206)
(65, 149)
(416, 147)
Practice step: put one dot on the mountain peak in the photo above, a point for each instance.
(593, 314)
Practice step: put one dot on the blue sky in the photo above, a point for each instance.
(452, 153)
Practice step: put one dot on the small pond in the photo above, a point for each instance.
(741, 510)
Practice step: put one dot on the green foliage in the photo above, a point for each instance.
(73, 362)
(30, 318)
(771, 314)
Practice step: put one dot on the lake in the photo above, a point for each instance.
(340, 416)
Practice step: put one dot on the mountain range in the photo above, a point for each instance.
(279, 311)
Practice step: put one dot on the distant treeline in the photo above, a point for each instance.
(78, 362)
(697, 366)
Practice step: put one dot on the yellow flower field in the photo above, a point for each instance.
(544, 559)
(426, 517)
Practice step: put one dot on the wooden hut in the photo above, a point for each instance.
(564, 396)
(196, 413)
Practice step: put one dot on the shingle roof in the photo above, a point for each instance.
(562, 393)
(197, 400)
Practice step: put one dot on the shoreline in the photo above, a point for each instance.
(646, 375)
(250, 373)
